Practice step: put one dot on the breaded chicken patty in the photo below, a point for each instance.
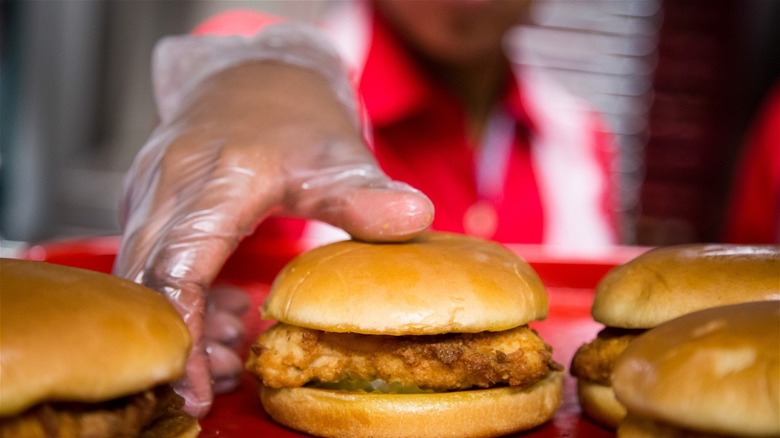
(594, 361)
(122, 417)
(289, 356)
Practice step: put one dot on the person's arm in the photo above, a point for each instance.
(249, 127)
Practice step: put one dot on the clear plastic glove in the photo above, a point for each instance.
(239, 143)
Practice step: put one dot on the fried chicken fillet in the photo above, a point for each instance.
(290, 356)
(155, 413)
(595, 360)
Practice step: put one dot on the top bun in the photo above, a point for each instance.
(667, 282)
(75, 335)
(436, 283)
(716, 370)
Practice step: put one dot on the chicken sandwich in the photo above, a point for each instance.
(427, 338)
(87, 354)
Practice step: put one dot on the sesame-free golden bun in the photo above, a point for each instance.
(598, 402)
(436, 283)
(713, 371)
(73, 335)
(670, 281)
(332, 413)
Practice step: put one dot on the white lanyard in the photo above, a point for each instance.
(492, 160)
(492, 163)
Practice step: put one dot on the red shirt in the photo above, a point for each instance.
(419, 137)
(754, 214)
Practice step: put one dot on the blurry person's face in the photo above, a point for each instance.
(454, 31)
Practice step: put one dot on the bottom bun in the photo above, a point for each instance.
(598, 402)
(171, 421)
(638, 427)
(172, 425)
(476, 413)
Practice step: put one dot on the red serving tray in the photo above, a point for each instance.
(570, 283)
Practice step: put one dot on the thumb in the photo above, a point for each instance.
(195, 386)
(379, 210)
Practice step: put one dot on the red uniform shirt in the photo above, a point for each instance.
(754, 215)
(419, 136)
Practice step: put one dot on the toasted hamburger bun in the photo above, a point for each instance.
(436, 284)
(667, 282)
(78, 337)
(473, 413)
(713, 371)
(599, 403)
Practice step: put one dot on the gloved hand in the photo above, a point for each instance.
(254, 137)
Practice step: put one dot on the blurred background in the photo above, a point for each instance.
(679, 82)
